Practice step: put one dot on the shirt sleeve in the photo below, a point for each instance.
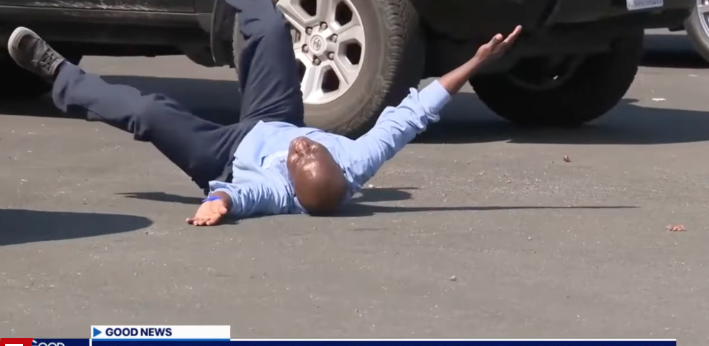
(396, 127)
(251, 199)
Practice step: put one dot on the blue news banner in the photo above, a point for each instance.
(127, 342)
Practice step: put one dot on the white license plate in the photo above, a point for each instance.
(634, 5)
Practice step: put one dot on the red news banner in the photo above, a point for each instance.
(16, 341)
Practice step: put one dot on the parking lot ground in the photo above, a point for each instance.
(477, 230)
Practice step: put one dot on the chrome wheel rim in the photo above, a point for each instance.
(703, 13)
(329, 44)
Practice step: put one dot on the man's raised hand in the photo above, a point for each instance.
(497, 46)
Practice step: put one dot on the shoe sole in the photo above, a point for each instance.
(16, 36)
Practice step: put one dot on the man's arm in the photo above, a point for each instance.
(240, 200)
(398, 126)
(257, 198)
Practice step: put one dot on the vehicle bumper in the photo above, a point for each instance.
(105, 26)
(580, 11)
(477, 20)
(552, 27)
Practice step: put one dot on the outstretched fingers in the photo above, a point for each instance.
(496, 41)
(513, 35)
(203, 221)
(500, 43)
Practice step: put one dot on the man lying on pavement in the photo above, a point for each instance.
(269, 162)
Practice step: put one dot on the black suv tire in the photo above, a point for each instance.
(596, 86)
(394, 63)
(698, 34)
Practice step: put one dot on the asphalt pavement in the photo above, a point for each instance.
(477, 230)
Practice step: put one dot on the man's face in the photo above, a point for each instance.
(306, 156)
(318, 180)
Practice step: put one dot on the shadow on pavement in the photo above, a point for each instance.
(163, 197)
(628, 124)
(671, 51)
(26, 226)
(674, 60)
(360, 210)
(381, 194)
(466, 119)
(357, 208)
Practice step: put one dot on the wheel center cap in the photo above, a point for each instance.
(318, 44)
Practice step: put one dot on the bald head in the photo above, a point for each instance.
(319, 182)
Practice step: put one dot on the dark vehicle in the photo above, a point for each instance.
(574, 62)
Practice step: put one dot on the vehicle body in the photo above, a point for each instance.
(574, 62)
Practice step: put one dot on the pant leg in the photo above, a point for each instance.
(268, 71)
(200, 148)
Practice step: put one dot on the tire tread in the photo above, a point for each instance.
(597, 86)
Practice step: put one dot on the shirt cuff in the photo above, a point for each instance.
(434, 97)
(218, 186)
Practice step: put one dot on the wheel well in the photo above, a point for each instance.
(222, 33)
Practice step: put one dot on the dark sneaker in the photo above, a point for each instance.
(32, 53)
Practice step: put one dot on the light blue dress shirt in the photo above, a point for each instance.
(262, 185)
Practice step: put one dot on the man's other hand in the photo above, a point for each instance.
(497, 46)
(209, 213)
